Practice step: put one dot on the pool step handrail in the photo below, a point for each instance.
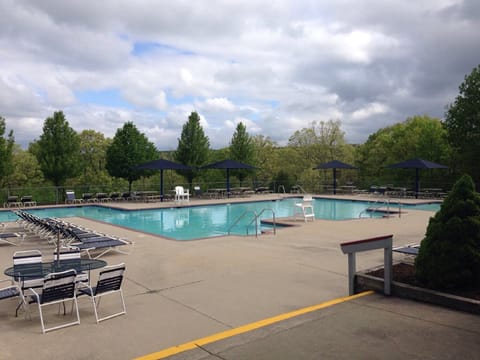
(254, 219)
(245, 213)
(380, 204)
(257, 216)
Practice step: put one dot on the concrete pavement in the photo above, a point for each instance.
(177, 292)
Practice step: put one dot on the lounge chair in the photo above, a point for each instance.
(102, 245)
(12, 291)
(109, 282)
(57, 288)
(181, 194)
(7, 238)
(12, 201)
(304, 210)
(70, 198)
(27, 200)
(411, 249)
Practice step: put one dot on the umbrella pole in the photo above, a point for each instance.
(228, 183)
(417, 187)
(334, 181)
(161, 185)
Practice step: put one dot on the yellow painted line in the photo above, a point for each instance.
(245, 328)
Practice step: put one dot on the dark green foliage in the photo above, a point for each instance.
(128, 149)
(6, 151)
(462, 121)
(241, 149)
(57, 150)
(449, 256)
(193, 146)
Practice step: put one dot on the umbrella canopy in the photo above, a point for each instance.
(162, 164)
(227, 165)
(417, 164)
(335, 164)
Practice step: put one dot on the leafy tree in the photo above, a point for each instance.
(449, 256)
(416, 137)
(462, 121)
(193, 146)
(57, 150)
(93, 153)
(242, 149)
(6, 152)
(26, 170)
(129, 148)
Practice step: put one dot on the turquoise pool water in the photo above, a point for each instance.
(196, 222)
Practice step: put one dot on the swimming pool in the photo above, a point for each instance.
(196, 222)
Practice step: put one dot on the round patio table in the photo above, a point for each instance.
(40, 270)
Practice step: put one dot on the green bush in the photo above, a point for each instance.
(449, 256)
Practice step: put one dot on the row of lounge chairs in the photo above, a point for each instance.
(90, 242)
(15, 201)
(146, 196)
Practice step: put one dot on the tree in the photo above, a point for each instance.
(241, 149)
(57, 150)
(193, 146)
(128, 149)
(449, 256)
(417, 137)
(6, 152)
(26, 170)
(93, 153)
(462, 121)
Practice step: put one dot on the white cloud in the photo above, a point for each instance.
(275, 66)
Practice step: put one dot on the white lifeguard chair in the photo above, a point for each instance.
(304, 210)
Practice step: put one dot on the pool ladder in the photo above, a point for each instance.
(255, 219)
(379, 205)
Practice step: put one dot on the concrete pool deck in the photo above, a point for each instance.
(177, 292)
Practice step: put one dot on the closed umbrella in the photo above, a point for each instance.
(162, 164)
(335, 164)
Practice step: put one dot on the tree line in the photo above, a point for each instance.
(63, 157)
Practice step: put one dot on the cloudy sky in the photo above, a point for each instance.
(275, 65)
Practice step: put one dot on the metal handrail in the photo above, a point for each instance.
(240, 218)
(256, 224)
(379, 205)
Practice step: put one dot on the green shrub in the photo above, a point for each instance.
(449, 256)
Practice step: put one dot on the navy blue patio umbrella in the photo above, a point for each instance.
(162, 164)
(417, 164)
(227, 165)
(334, 164)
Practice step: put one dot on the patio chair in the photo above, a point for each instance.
(181, 194)
(57, 288)
(304, 210)
(30, 261)
(70, 198)
(71, 256)
(109, 282)
(10, 292)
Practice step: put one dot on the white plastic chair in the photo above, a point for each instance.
(181, 194)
